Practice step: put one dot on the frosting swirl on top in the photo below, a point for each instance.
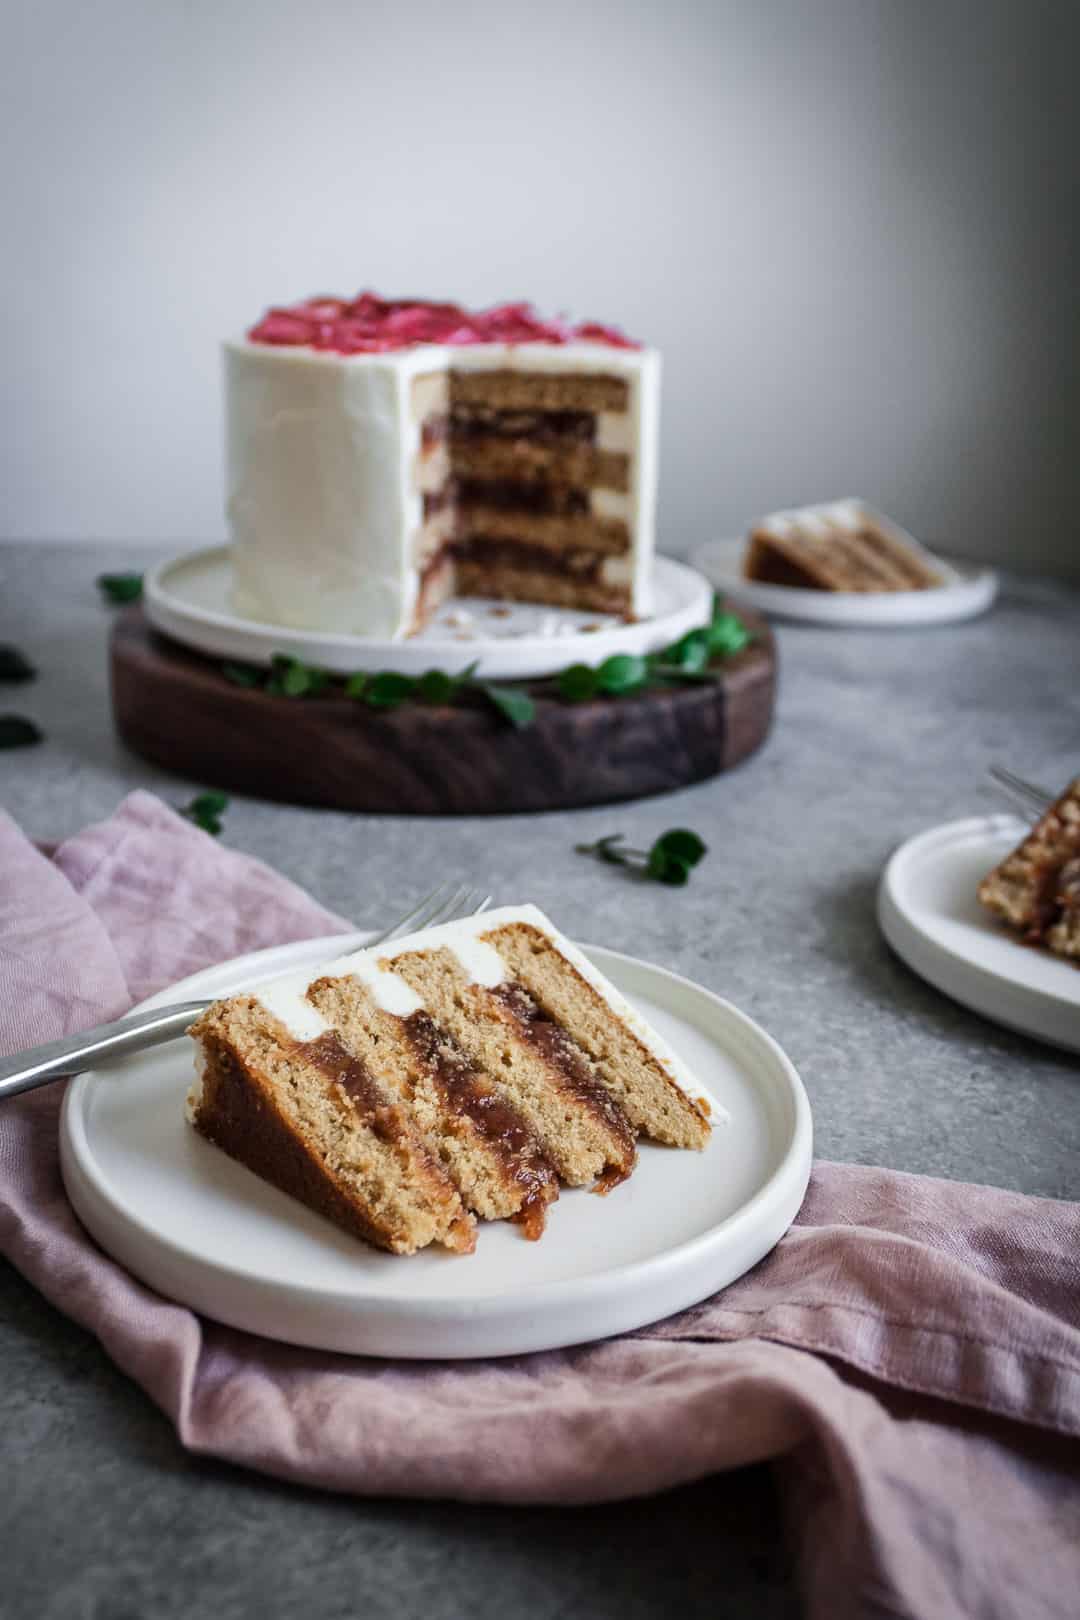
(372, 325)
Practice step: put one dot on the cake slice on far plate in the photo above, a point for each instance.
(842, 546)
(1036, 889)
(460, 1072)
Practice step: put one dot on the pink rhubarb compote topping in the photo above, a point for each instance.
(373, 325)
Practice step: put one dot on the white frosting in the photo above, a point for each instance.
(195, 1095)
(319, 474)
(287, 999)
(820, 522)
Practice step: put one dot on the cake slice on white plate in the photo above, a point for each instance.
(463, 1072)
(841, 546)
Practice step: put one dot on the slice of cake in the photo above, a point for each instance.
(384, 454)
(461, 1072)
(1036, 889)
(844, 546)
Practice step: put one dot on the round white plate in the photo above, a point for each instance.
(967, 591)
(201, 1229)
(189, 598)
(929, 913)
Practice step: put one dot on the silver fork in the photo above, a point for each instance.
(73, 1052)
(1027, 796)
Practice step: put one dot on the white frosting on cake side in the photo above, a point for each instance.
(320, 453)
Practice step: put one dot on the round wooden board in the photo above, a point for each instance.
(175, 708)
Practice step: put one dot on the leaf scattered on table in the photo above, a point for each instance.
(15, 666)
(118, 588)
(18, 732)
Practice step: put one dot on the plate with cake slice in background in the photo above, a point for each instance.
(988, 910)
(399, 1150)
(843, 563)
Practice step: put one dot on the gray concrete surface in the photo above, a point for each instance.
(877, 735)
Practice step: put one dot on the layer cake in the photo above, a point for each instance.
(385, 454)
(462, 1072)
(1035, 890)
(841, 546)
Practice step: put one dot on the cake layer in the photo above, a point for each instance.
(311, 1118)
(554, 533)
(494, 1159)
(515, 583)
(841, 547)
(527, 461)
(1036, 889)
(522, 390)
(583, 1130)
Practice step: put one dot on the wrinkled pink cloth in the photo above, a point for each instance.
(909, 1354)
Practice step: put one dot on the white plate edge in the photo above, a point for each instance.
(558, 1294)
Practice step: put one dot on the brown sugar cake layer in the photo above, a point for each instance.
(310, 1117)
(483, 1141)
(521, 573)
(841, 547)
(654, 1103)
(1035, 890)
(582, 1129)
(462, 1072)
(538, 391)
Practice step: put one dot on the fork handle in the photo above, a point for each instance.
(27, 1070)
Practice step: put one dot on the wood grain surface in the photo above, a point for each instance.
(175, 707)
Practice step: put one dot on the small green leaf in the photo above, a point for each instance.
(512, 703)
(667, 868)
(242, 674)
(292, 678)
(621, 673)
(296, 680)
(15, 666)
(211, 803)
(727, 635)
(120, 587)
(435, 686)
(387, 690)
(691, 654)
(681, 843)
(18, 732)
(356, 685)
(578, 683)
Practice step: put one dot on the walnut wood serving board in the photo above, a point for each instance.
(175, 708)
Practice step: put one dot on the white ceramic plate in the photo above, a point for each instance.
(201, 1229)
(189, 597)
(929, 913)
(967, 591)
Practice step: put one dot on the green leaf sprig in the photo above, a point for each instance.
(18, 732)
(119, 588)
(387, 689)
(206, 811)
(670, 859)
(15, 666)
(687, 659)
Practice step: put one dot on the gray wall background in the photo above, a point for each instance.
(849, 224)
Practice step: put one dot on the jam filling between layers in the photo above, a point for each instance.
(537, 550)
(565, 1058)
(375, 1107)
(467, 1091)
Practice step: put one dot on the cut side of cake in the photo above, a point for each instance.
(385, 454)
(1036, 889)
(842, 546)
(462, 1072)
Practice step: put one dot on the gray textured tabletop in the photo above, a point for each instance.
(877, 735)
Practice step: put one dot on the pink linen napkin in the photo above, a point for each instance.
(909, 1355)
